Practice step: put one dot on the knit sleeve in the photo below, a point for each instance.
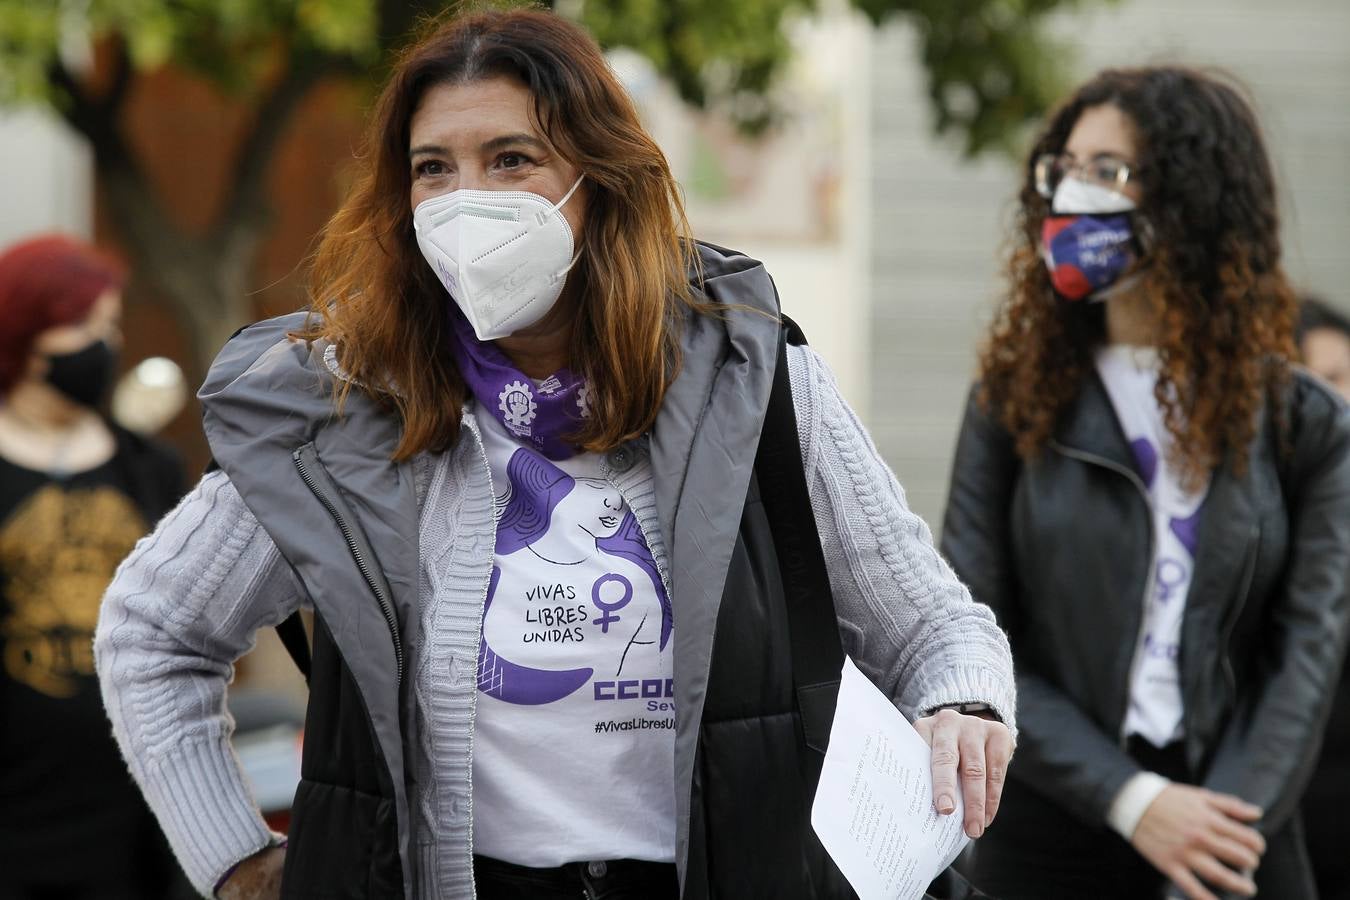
(905, 619)
(181, 609)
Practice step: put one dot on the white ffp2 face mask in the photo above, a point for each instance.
(502, 255)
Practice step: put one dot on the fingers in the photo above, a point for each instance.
(946, 731)
(975, 751)
(1219, 875)
(1247, 840)
(1189, 884)
(1233, 854)
(1241, 834)
(1232, 812)
(971, 744)
(1234, 807)
(997, 753)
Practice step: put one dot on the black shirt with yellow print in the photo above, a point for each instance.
(70, 806)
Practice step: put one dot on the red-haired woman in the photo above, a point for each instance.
(1154, 501)
(76, 493)
(553, 654)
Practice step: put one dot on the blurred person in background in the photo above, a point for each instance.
(518, 533)
(76, 492)
(1324, 341)
(1153, 500)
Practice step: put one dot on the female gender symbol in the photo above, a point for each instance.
(1171, 574)
(609, 609)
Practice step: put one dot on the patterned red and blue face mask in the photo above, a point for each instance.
(1088, 240)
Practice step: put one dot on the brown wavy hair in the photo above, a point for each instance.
(1210, 270)
(374, 296)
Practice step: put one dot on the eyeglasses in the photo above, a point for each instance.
(1104, 171)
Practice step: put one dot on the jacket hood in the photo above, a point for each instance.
(703, 445)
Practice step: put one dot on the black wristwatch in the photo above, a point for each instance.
(983, 710)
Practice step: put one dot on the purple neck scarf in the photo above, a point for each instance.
(538, 415)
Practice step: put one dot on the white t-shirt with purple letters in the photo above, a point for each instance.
(1155, 710)
(574, 738)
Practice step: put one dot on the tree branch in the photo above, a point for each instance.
(121, 79)
(76, 107)
(247, 208)
(158, 248)
(399, 17)
(113, 161)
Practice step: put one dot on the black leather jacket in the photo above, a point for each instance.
(1061, 548)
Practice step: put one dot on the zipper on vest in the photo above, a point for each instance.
(1149, 581)
(354, 547)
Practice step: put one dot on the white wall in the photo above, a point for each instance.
(46, 177)
(826, 285)
(800, 199)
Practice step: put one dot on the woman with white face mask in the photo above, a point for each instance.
(1154, 501)
(513, 460)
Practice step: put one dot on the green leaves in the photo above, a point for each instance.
(725, 54)
(991, 68)
(231, 42)
(341, 26)
(30, 36)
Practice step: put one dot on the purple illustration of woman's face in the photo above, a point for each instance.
(595, 506)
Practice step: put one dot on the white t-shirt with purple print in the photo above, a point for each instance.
(574, 738)
(1155, 709)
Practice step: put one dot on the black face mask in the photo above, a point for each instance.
(85, 375)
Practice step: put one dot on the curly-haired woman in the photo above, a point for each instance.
(1154, 501)
(555, 652)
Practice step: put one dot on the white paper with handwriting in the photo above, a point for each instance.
(874, 808)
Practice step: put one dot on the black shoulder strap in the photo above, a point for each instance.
(296, 642)
(817, 655)
(793, 334)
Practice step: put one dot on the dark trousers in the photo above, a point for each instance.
(1324, 807)
(139, 867)
(611, 879)
(65, 892)
(1038, 850)
(1326, 799)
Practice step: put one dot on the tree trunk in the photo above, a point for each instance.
(205, 279)
(205, 285)
(209, 296)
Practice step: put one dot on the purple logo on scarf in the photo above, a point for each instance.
(541, 416)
